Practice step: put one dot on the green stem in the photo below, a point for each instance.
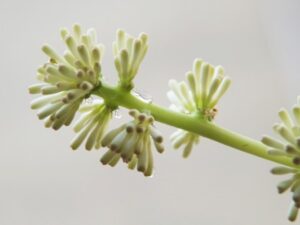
(117, 96)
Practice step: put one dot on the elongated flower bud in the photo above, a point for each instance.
(131, 142)
(287, 146)
(129, 53)
(91, 125)
(67, 80)
(186, 139)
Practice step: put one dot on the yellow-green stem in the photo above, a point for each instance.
(193, 123)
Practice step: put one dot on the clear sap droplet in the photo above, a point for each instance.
(143, 96)
(117, 114)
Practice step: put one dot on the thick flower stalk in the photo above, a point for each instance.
(132, 142)
(287, 146)
(205, 86)
(66, 81)
(129, 52)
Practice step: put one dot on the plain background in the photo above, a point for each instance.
(42, 182)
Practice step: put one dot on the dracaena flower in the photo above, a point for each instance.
(204, 88)
(132, 142)
(287, 145)
(129, 52)
(66, 80)
(91, 125)
(186, 139)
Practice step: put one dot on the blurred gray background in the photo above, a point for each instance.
(42, 182)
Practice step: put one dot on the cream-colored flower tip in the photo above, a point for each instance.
(205, 86)
(186, 139)
(287, 145)
(129, 52)
(132, 143)
(66, 80)
(91, 125)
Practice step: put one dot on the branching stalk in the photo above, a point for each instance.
(192, 123)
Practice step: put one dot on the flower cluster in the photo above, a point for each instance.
(91, 125)
(132, 143)
(67, 80)
(287, 146)
(205, 86)
(129, 53)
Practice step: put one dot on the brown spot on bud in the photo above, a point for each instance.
(70, 96)
(65, 100)
(113, 147)
(91, 73)
(80, 74)
(129, 129)
(141, 168)
(296, 160)
(139, 130)
(142, 117)
(133, 112)
(159, 139)
(84, 86)
(52, 117)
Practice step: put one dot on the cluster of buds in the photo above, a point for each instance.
(91, 125)
(205, 86)
(129, 53)
(288, 145)
(132, 143)
(67, 80)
